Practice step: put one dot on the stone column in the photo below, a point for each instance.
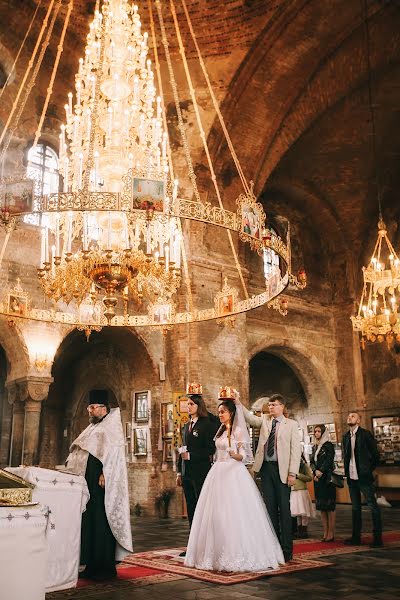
(51, 437)
(31, 431)
(17, 426)
(26, 396)
(5, 427)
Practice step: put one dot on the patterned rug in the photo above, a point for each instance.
(170, 561)
(307, 555)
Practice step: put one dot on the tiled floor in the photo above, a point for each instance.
(366, 575)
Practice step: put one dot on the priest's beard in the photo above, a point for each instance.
(93, 420)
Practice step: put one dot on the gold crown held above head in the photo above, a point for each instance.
(194, 388)
(226, 393)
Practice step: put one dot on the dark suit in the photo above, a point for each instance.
(201, 447)
(366, 458)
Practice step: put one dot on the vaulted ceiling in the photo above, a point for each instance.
(292, 80)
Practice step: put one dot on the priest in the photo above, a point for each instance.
(98, 453)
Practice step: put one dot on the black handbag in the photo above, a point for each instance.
(336, 480)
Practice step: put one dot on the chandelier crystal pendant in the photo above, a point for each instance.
(109, 230)
(378, 317)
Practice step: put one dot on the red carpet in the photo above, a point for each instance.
(139, 574)
(306, 556)
(314, 548)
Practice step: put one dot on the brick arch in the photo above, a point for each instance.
(116, 359)
(16, 351)
(318, 386)
(271, 102)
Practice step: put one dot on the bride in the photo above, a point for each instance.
(231, 529)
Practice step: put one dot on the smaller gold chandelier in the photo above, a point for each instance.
(377, 318)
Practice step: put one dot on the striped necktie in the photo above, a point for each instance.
(190, 426)
(271, 439)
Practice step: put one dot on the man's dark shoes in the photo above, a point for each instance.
(85, 574)
(103, 576)
(287, 557)
(100, 576)
(182, 554)
(376, 543)
(352, 542)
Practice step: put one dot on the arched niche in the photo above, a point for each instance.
(115, 360)
(310, 377)
(270, 374)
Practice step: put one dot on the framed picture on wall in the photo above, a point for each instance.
(17, 305)
(167, 419)
(167, 451)
(387, 434)
(140, 441)
(141, 405)
(128, 430)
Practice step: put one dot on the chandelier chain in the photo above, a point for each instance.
(94, 116)
(191, 173)
(170, 162)
(370, 101)
(204, 140)
(215, 102)
(60, 49)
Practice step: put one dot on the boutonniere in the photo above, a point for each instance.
(195, 433)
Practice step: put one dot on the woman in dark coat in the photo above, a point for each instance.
(322, 465)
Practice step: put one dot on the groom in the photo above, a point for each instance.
(198, 447)
(278, 460)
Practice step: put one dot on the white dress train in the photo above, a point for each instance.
(231, 529)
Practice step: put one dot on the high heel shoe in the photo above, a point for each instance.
(332, 539)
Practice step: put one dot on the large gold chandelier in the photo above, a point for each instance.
(112, 247)
(111, 229)
(377, 318)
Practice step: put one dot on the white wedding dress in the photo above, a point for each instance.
(231, 529)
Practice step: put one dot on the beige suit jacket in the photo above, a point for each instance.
(287, 443)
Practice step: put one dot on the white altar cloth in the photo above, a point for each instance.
(23, 552)
(66, 495)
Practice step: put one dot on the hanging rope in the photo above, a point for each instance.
(21, 48)
(204, 140)
(30, 65)
(174, 87)
(31, 82)
(60, 48)
(170, 163)
(215, 103)
(5, 243)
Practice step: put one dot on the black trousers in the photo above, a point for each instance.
(277, 500)
(356, 488)
(191, 488)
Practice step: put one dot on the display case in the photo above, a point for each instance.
(386, 431)
(14, 491)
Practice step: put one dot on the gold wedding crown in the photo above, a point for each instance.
(194, 388)
(226, 393)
